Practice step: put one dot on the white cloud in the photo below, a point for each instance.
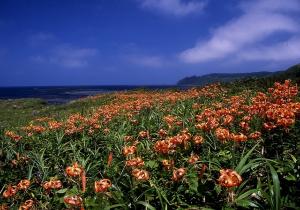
(67, 56)
(174, 7)
(260, 20)
(288, 50)
(146, 60)
(270, 5)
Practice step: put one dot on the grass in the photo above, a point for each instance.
(19, 112)
(217, 147)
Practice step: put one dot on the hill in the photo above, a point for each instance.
(263, 76)
(291, 73)
(221, 77)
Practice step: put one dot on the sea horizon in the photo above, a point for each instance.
(65, 94)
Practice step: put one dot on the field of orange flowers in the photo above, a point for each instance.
(214, 147)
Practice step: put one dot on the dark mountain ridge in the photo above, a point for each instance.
(291, 73)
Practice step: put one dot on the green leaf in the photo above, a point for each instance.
(275, 187)
(30, 172)
(91, 202)
(246, 194)
(151, 164)
(244, 159)
(61, 191)
(192, 179)
(147, 205)
(73, 191)
(293, 157)
(218, 189)
(115, 206)
(246, 203)
(161, 194)
(266, 196)
(290, 177)
(252, 164)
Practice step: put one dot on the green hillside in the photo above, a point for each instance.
(263, 77)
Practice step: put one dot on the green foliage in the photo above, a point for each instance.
(225, 77)
(269, 166)
(17, 113)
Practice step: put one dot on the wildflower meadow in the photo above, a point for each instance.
(215, 147)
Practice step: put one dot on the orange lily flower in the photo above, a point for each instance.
(10, 192)
(53, 184)
(144, 134)
(193, 159)
(74, 170)
(198, 140)
(129, 150)
(135, 162)
(162, 133)
(13, 136)
(23, 184)
(83, 181)
(203, 169)
(222, 134)
(140, 174)
(178, 174)
(27, 205)
(4, 207)
(109, 159)
(239, 137)
(228, 119)
(168, 164)
(229, 178)
(128, 138)
(255, 135)
(74, 200)
(102, 185)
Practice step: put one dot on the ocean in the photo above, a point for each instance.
(64, 94)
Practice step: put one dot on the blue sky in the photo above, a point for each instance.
(110, 42)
